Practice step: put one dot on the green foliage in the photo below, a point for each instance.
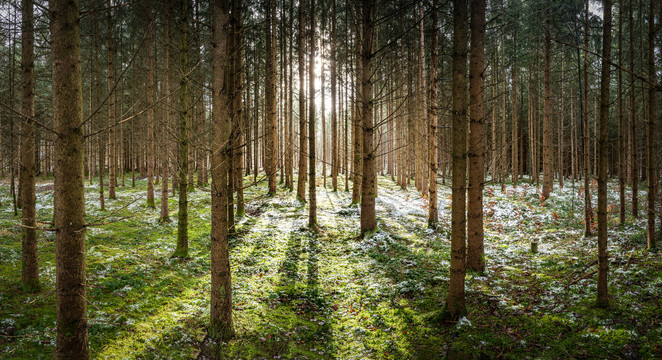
(301, 294)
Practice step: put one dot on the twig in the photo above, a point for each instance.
(583, 277)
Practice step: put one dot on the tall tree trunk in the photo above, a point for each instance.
(184, 115)
(588, 211)
(421, 161)
(312, 196)
(475, 251)
(634, 160)
(270, 98)
(603, 260)
(301, 182)
(514, 149)
(334, 116)
(237, 108)
(650, 131)
(455, 304)
(357, 131)
(622, 159)
(165, 165)
(30, 265)
(150, 109)
(101, 137)
(368, 220)
(69, 200)
(547, 138)
(433, 214)
(221, 288)
(112, 162)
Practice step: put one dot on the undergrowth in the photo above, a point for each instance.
(331, 295)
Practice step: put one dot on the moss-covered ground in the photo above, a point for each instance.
(330, 295)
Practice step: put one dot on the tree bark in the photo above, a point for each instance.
(548, 136)
(30, 264)
(112, 162)
(603, 260)
(221, 326)
(301, 182)
(475, 253)
(650, 131)
(588, 211)
(184, 114)
(433, 213)
(312, 196)
(150, 109)
(69, 200)
(368, 220)
(455, 304)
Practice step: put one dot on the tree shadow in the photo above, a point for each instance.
(297, 321)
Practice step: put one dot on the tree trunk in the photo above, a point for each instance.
(69, 200)
(301, 182)
(221, 327)
(368, 220)
(184, 114)
(312, 196)
(475, 253)
(237, 108)
(165, 165)
(334, 116)
(112, 162)
(621, 121)
(433, 214)
(150, 109)
(30, 265)
(603, 261)
(455, 304)
(547, 138)
(650, 131)
(588, 211)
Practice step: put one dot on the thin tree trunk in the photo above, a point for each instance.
(312, 193)
(621, 121)
(475, 251)
(112, 168)
(334, 116)
(547, 138)
(603, 260)
(433, 213)
(165, 216)
(301, 182)
(30, 264)
(588, 211)
(150, 110)
(368, 220)
(650, 131)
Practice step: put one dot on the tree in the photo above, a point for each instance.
(301, 182)
(270, 98)
(30, 265)
(150, 109)
(221, 288)
(184, 115)
(433, 213)
(455, 305)
(651, 176)
(69, 199)
(335, 157)
(603, 260)
(368, 220)
(312, 199)
(547, 135)
(112, 161)
(475, 251)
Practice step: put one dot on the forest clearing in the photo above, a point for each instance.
(300, 294)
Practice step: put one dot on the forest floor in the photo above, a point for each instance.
(299, 294)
